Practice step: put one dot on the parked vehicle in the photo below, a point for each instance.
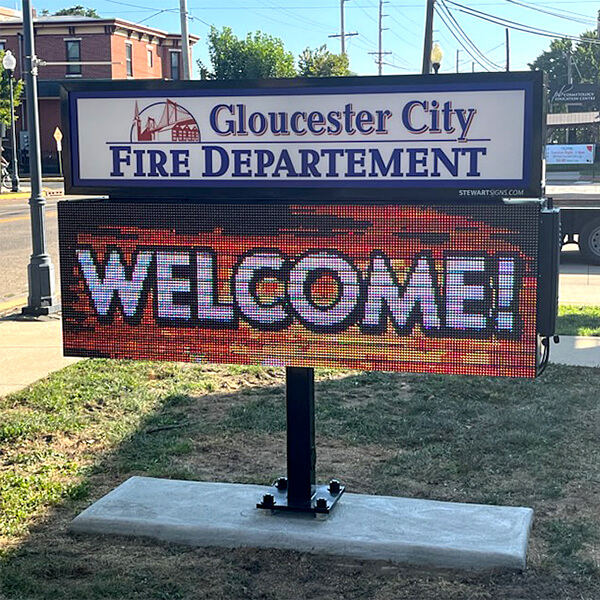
(580, 216)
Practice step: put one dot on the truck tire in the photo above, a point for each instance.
(589, 241)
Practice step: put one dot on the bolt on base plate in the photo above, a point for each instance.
(322, 500)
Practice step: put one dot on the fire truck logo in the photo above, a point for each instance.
(164, 122)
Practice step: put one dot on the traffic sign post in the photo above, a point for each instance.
(58, 136)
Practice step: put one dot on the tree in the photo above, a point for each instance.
(585, 68)
(75, 11)
(585, 57)
(256, 57)
(554, 62)
(322, 63)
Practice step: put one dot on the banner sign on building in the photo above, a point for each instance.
(574, 93)
(440, 289)
(570, 154)
(460, 137)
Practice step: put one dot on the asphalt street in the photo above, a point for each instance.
(15, 245)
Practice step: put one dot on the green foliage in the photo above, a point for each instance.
(70, 438)
(585, 58)
(257, 56)
(5, 95)
(322, 63)
(77, 11)
(578, 320)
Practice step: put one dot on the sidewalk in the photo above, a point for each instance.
(31, 349)
(25, 192)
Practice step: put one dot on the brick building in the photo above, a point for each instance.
(133, 51)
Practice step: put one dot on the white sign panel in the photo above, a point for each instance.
(451, 136)
(573, 154)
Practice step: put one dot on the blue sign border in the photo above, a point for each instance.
(529, 82)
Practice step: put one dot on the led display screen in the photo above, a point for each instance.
(438, 289)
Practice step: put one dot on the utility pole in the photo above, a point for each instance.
(569, 82)
(428, 42)
(40, 271)
(185, 39)
(457, 56)
(507, 51)
(342, 34)
(598, 25)
(342, 31)
(380, 53)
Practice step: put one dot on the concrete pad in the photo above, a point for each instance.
(580, 351)
(420, 532)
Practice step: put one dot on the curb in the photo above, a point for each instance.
(12, 304)
(47, 192)
(15, 195)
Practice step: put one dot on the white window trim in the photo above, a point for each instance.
(130, 44)
(74, 39)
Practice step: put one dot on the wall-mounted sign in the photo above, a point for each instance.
(570, 154)
(444, 289)
(455, 136)
(574, 93)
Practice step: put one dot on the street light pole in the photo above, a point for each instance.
(9, 62)
(40, 270)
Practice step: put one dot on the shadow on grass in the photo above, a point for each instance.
(511, 442)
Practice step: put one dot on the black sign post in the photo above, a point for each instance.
(298, 492)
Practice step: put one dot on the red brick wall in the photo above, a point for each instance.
(12, 44)
(141, 69)
(166, 58)
(95, 47)
(49, 121)
(52, 48)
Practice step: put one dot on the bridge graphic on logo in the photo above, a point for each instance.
(164, 122)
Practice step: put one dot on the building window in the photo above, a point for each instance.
(73, 55)
(150, 58)
(2, 45)
(174, 65)
(129, 59)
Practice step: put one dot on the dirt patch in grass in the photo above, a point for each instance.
(90, 427)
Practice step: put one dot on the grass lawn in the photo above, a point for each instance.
(68, 440)
(578, 320)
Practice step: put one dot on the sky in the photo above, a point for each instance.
(309, 23)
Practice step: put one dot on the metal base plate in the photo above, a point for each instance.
(321, 501)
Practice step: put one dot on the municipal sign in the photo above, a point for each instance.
(458, 136)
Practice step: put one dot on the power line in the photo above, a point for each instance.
(465, 48)
(516, 25)
(464, 35)
(585, 20)
(306, 20)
